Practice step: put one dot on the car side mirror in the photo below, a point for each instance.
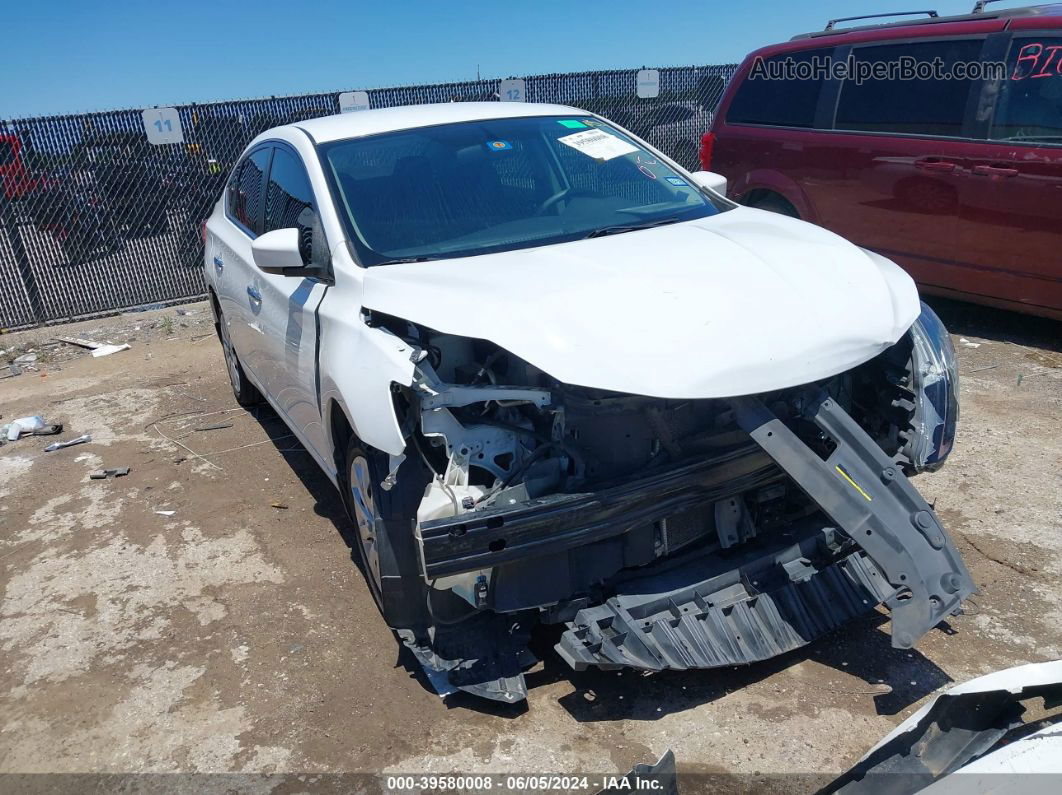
(710, 180)
(279, 251)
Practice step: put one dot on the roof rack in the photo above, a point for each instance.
(933, 14)
(979, 14)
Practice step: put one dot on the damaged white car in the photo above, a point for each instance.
(557, 379)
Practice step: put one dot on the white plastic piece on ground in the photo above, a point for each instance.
(107, 350)
(23, 424)
(734, 304)
(1040, 752)
(1031, 765)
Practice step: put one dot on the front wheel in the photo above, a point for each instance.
(384, 521)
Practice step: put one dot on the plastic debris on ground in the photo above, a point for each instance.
(103, 474)
(80, 342)
(165, 513)
(69, 443)
(107, 350)
(24, 425)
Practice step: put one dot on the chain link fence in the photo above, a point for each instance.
(94, 218)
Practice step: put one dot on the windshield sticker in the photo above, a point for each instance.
(598, 144)
(499, 146)
(678, 181)
(572, 124)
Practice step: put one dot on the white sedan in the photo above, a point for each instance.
(559, 379)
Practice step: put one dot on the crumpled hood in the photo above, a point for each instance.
(735, 304)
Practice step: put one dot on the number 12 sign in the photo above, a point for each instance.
(512, 91)
(163, 126)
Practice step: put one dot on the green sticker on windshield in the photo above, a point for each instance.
(571, 124)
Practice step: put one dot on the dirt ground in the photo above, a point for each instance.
(237, 635)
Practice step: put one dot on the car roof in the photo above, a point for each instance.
(902, 28)
(382, 120)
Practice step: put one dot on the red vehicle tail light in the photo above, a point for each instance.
(707, 143)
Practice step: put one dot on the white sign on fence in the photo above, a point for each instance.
(512, 91)
(351, 101)
(163, 126)
(648, 83)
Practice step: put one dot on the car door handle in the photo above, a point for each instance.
(995, 171)
(252, 291)
(219, 264)
(936, 165)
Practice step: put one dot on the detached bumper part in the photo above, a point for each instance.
(907, 562)
(485, 656)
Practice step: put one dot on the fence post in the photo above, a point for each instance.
(22, 261)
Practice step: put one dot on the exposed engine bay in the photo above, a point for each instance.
(665, 533)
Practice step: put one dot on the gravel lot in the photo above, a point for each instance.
(237, 635)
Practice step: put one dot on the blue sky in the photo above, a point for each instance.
(65, 57)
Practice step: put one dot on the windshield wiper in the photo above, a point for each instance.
(403, 260)
(620, 228)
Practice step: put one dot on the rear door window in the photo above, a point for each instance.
(931, 104)
(762, 98)
(1029, 105)
(244, 200)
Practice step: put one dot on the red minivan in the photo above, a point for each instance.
(955, 174)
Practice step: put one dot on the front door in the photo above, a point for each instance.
(288, 304)
(1011, 216)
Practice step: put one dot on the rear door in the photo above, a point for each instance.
(287, 305)
(232, 260)
(889, 176)
(1011, 215)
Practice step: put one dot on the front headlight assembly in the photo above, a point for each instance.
(935, 384)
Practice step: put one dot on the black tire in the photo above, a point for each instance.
(383, 533)
(246, 393)
(774, 203)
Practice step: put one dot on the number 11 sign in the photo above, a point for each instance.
(163, 126)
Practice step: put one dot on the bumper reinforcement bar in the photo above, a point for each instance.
(871, 500)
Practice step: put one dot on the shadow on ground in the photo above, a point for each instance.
(997, 324)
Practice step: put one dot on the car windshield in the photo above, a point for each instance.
(469, 188)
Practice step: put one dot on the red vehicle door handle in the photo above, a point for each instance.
(936, 165)
(995, 171)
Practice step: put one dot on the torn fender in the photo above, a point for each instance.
(358, 367)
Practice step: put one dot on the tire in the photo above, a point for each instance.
(774, 203)
(246, 393)
(383, 533)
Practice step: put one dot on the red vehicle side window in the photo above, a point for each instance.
(920, 106)
(1029, 106)
(763, 99)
